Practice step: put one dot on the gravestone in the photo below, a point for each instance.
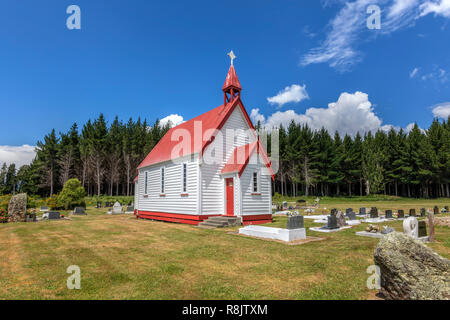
(351, 215)
(291, 208)
(332, 223)
(285, 205)
(30, 217)
(446, 209)
(348, 210)
(295, 222)
(107, 204)
(373, 212)
(401, 213)
(411, 227)
(17, 208)
(362, 211)
(340, 219)
(79, 211)
(412, 212)
(99, 205)
(130, 209)
(301, 201)
(44, 209)
(52, 215)
(423, 212)
(333, 212)
(422, 229)
(387, 230)
(117, 208)
(436, 210)
(388, 214)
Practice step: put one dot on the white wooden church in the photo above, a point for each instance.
(215, 174)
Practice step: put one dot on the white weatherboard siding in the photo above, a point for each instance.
(255, 204)
(173, 201)
(136, 194)
(213, 199)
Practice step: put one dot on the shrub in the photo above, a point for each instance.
(52, 202)
(72, 195)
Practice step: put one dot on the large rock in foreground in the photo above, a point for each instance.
(410, 270)
(17, 208)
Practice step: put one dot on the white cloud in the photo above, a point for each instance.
(352, 113)
(347, 28)
(20, 155)
(174, 119)
(437, 7)
(414, 73)
(293, 93)
(442, 110)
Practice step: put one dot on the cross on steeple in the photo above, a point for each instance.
(232, 56)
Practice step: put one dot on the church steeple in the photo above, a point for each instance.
(231, 88)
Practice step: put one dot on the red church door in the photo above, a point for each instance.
(230, 196)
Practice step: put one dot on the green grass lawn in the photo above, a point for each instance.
(124, 258)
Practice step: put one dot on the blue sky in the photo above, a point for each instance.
(156, 59)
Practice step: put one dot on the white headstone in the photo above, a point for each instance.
(411, 227)
(117, 208)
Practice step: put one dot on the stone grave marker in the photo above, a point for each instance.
(79, 211)
(348, 210)
(117, 208)
(388, 214)
(362, 211)
(412, 212)
(285, 205)
(333, 212)
(44, 209)
(422, 229)
(99, 205)
(401, 213)
(17, 208)
(446, 209)
(436, 210)
(332, 223)
(411, 227)
(295, 222)
(423, 212)
(340, 219)
(351, 215)
(130, 209)
(52, 215)
(373, 212)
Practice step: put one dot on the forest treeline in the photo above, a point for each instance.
(408, 164)
(104, 157)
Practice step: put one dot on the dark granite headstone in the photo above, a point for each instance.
(412, 212)
(106, 204)
(99, 205)
(423, 212)
(373, 212)
(53, 215)
(446, 209)
(401, 213)
(388, 214)
(422, 229)
(301, 201)
(285, 205)
(30, 217)
(436, 210)
(362, 211)
(351, 215)
(79, 211)
(291, 208)
(295, 222)
(130, 209)
(333, 212)
(332, 223)
(348, 210)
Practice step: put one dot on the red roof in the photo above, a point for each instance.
(231, 80)
(213, 119)
(241, 156)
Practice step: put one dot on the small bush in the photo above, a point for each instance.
(52, 202)
(72, 195)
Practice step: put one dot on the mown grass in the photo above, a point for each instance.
(124, 258)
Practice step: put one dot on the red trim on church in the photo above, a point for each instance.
(174, 217)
